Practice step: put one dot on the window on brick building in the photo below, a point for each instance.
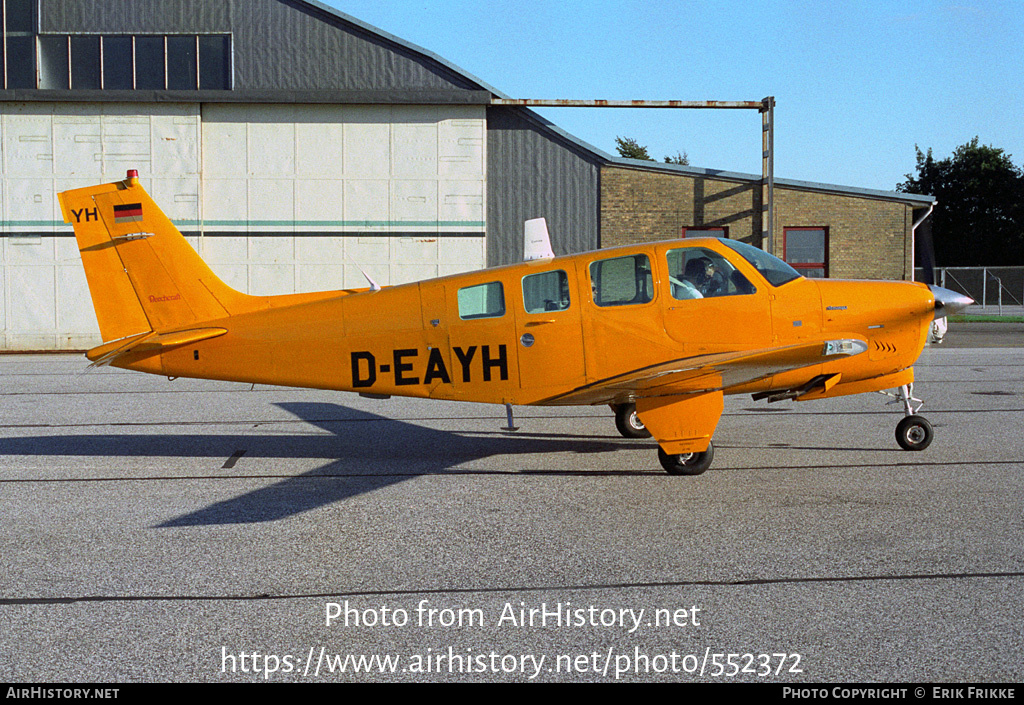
(706, 232)
(806, 250)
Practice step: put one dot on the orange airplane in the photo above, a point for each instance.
(659, 332)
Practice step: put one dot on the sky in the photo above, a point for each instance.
(858, 85)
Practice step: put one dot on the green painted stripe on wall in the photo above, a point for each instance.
(283, 223)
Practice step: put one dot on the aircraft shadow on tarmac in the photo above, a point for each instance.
(367, 452)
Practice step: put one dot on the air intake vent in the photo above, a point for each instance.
(881, 349)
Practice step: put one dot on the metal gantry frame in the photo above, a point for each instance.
(766, 107)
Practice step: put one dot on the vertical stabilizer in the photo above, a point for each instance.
(142, 273)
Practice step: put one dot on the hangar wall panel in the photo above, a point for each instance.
(533, 174)
(323, 188)
(46, 148)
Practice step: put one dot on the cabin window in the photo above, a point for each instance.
(547, 291)
(769, 266)
(621, 281)
(482, 301)
(699, 273)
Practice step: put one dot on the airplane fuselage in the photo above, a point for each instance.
(535, 332)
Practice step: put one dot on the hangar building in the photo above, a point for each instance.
(291, 142)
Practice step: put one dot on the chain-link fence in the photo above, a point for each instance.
(990, 287)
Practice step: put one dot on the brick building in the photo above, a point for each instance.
(823, 230)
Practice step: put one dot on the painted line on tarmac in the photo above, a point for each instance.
(11, 601)
(658, 474)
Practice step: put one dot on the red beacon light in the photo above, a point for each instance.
(133, 173)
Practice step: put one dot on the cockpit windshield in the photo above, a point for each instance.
(771, 267)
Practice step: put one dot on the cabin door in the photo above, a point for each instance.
(549, 331)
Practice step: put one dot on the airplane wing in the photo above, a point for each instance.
(707, 373)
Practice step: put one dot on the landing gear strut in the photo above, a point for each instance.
(913, 432)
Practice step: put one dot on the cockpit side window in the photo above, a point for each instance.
(769, 266)
(546, 291)
(621, 281)
(482, 301)
(700, 273)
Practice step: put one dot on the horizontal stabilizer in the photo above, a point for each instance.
(149, 342)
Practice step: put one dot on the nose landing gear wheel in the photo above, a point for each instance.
(628, 423)
(914, 433)
(687, 463)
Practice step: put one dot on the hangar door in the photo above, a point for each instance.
(296, 196)
(51, 147)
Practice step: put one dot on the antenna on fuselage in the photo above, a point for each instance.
(536, 242)
(374, 286)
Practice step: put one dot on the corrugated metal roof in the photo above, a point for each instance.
(277, 45)
(722, 175)
(403, 43)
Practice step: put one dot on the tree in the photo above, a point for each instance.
(681, 158)
(631, 149)
(979, 218)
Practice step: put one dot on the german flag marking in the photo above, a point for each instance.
(128, 213)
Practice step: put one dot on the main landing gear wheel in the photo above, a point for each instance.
(628, 423)
(914, 433)
(687, 463)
